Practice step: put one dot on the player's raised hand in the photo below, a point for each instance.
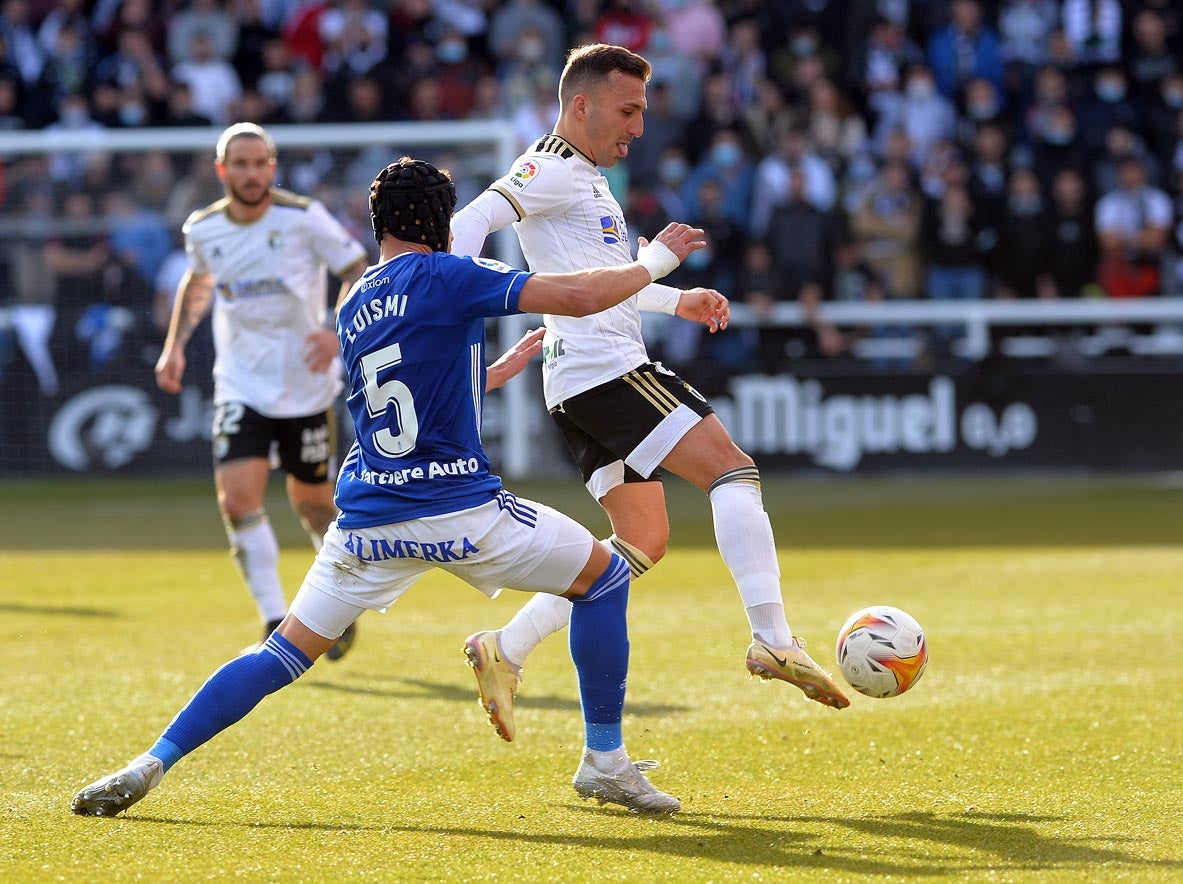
(170, 368)
(513, 360)
(706, 306)
(681, 239)
(322, 348)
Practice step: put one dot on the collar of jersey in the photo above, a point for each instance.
(578, 152)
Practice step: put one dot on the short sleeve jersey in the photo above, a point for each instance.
(568, 220)
(270, 294)
(412, 335)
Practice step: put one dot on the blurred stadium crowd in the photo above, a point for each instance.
(833, 149)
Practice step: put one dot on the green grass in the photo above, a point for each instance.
(1043, 744)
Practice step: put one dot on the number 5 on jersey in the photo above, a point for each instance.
(378, 399)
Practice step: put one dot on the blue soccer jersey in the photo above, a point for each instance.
(413, 337)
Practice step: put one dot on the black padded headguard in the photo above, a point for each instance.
(413, 201)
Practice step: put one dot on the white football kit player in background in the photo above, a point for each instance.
(258, 258)
(624, 417)
(270, 294)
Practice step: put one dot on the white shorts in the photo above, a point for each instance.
(507, 542)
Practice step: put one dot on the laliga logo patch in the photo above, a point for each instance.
(275, 239)
(494, 265)
(523, 174)
(611, 229)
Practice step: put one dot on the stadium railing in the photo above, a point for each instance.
(1104, 323)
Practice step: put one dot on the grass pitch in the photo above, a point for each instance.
(1043, 744)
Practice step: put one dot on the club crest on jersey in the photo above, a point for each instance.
(275, 239)
(523, 174)
(611, 228)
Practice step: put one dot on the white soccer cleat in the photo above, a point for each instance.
(623, 784)
(496, 680)
(119, 791)
(797, 668)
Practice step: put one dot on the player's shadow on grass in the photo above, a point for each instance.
(419, 689)
(985, 843)
(40, 610)
(1009, 840)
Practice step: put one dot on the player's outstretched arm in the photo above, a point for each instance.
(590, 291)
(513, 360)
(194, 298)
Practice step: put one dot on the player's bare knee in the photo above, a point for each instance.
(241, 521)
(739, 463)
(317, 516)
(641, 547)
(237, 506)
(655, 548)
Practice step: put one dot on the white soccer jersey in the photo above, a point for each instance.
(270, 294)
(568, 220)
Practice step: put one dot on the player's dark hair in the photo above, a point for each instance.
(588, 66)
(413, 201)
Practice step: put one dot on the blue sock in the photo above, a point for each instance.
(228, 695)
(599, 647)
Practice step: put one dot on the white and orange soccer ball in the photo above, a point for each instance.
(881, 651)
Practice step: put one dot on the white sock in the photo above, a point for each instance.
(544, 614)
(745, 540)
(256, 551)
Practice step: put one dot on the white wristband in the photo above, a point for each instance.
(657, 259)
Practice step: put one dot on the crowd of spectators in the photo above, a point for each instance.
(832, 149)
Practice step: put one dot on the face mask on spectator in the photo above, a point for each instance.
(1059, 136)
(982, 110)
(727, 154)
(531, 50)
(1173, 98)
(921, 89)
(672, 171)
(1028, 204)
(132, 114)
(803, 45)
(451, 51)
(1110, 90)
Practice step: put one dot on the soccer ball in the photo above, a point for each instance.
(881, 651)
